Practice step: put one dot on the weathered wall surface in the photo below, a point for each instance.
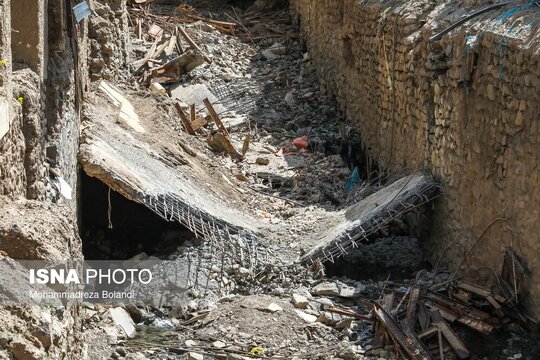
(28, 33)
(12, 173)
(39, 72)
(109, 39)
(466, 107)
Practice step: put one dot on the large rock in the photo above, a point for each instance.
(122, 319)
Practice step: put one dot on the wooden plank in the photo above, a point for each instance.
(428, 333)
(192, 112)
(245, 146)
(193, 44)
(469, 321)
(449, 334)
(475, 289)
(179, 47)
(140, 63)
(184, 119)
(215, 116)
(409, 331)
(170, 47)
(388, 302)
(412, 348)
(413, 305)
(199, 122)
(441, 344)
(423, 316)
(349, 313)
(160, 49)
(458, 307)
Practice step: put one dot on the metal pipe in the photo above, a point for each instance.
(470, 17)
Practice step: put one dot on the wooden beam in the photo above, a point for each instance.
(184, 119)
(215, 116)
(449, 334)
(413, 305)
(193, 44)
(412, 346)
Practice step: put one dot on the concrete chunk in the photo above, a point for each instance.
(122, 319)
(299, 301)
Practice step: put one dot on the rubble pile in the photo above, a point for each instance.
(236, 108)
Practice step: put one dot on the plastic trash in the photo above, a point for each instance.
(354, 179)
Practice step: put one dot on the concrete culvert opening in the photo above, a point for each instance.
(124, 229)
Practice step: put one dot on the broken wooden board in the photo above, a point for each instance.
(174, 69)
(412, 346)
(450, 336)
(370, 215)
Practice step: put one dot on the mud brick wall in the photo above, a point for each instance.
(466, 107)
(12, 173)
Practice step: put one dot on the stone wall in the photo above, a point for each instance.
(109, 39)
(465, 107)
(38, 87)
(12, 173)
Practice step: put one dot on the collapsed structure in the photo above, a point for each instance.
(464, 108)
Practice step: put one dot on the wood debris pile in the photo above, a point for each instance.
(252, 28)
(423, 323)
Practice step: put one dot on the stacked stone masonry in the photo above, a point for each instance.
(466, 107)
(109, 39)
(39, 130)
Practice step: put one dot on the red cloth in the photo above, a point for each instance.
(301, 142)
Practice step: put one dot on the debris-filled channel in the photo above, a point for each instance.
(229, 154)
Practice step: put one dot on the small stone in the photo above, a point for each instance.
(289, 99)
(193, 305)
(269, 55)
(244, 335)
(325, 289)
(262, 161)
(274, 308)
(328, 318)
(121, 351)
(190, 343)
(240, 177)
(306, 317)
(299, 301)
(219, 344)
(194, 356)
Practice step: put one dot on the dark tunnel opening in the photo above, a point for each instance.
(131, 230)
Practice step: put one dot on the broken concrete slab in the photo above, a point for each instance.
(369, 215)
(158, 173)
(328, 318)
(194, 94)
